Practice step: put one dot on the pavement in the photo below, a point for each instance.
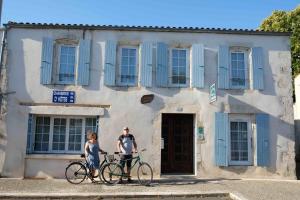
(185, 188)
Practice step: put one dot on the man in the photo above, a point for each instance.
(126, 145)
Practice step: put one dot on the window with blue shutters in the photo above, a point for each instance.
(233, 68)
(240, 140)
(71, 63)
(233, 139)
(179, 69)
(67, 64)
(128, 62)
(239, 64)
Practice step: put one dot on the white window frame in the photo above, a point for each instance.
(242, 118)
(75, 67)
(187, 68)
(50, 146)
(245, 51)
(120, 48)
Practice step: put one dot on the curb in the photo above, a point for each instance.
(117, 195)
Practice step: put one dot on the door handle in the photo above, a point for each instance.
(162, 143)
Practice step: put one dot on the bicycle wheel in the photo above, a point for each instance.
(145, 174)
(112, 173)
(100, 172)
(75, 173)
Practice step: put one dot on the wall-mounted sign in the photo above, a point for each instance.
(200, 133)
(63, 97)
(148, 98)
(212, 93)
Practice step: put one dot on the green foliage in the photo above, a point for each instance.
(284, 21)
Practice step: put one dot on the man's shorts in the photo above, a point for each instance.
(126, 159)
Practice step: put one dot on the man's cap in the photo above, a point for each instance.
(125, 128)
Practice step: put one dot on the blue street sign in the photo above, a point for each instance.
(63, 97)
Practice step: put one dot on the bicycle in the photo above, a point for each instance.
(77, 171)
(112, 173)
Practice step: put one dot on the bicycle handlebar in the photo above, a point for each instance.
(119, 153)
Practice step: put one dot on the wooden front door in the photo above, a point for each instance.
(178, 152)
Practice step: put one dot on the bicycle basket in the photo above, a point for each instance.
(111, 158)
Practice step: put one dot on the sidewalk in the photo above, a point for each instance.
(209, 189)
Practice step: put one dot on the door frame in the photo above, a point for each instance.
(194, 143)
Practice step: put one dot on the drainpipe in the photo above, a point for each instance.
(3, 64)
(1, 3)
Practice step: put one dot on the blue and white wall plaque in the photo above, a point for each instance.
(212, 93)
(63, 97)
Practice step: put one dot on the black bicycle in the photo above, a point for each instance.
(113, 172)
(77, 171)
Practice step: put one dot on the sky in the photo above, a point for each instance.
(191, 13)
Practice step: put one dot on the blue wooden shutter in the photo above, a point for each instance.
(47, 60)
(146, 64)
(221, 139)
(29, 133)
(262, 131)
(258, 68)
(223, 68)
(84, 62)
(110, 63)
(198, 65)
(162, 74)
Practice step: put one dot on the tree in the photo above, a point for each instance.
(287, 21)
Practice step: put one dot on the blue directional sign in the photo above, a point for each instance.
(63, 97)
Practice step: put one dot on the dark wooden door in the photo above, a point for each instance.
(177, 154)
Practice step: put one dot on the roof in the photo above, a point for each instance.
(144, 28)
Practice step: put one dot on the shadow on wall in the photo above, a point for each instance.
(14, 161)
(281, 151)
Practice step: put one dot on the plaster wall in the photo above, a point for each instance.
(124, 107)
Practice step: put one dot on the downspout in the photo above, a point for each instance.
(3, 57)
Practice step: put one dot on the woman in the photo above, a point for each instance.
(91, 151)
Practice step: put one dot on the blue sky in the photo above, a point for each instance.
(196, 13)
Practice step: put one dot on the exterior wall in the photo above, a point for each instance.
(297, 115)
(144, 120)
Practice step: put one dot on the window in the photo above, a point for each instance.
(42, 132)
(67, 64)
(238, 68)
(179, 67)
(61, 134)
(128, 66)
(240, 142)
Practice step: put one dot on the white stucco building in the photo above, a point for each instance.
(104, 71)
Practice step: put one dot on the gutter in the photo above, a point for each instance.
(145, 28)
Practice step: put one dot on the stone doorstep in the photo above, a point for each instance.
(119, 195)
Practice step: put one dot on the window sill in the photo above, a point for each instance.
(54, 156)
(123, 85)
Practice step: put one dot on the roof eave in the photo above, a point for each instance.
(144, 28)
